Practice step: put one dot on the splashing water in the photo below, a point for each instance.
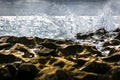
(57, 27)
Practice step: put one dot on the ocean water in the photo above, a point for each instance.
(51, 24)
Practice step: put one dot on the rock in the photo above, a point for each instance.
(97, 67)
(46, 52)
(91, 50)
(8, 59)
(26, 72)
(113, 58)
(5, 46)
(118, 36)
(63, 75)
(44, 60)
(12, 70)
(22, 48)
(4, 74)
(72, 50)
(101, 31)
(84, 36)
(28, 41)
(50, 45)
(113, 42)
(54, 73)
(114, 73)
(116, 30)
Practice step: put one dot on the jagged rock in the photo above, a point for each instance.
(5, 46)
(50, 45)
(28, 41)
(95, 77)
(12, 70)
(26, 72)
(84, 36)
(114, 73)
(101, 31)
(54, 73)
(118, 36)
(91, 50)
(44, 60)
(26, 50)
(72, 50)
(116, 30)
(8, 59)
(113, 58)
(112, 43)
(3, 39)
(63, 75)
(97, 67)
(46, 52)
(4, 74)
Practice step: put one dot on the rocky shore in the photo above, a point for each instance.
(96, 56)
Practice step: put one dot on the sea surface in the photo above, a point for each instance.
(57, 19)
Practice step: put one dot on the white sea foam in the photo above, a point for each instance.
(57, 27)
(54, 26)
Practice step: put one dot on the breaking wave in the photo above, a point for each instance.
(57, 27)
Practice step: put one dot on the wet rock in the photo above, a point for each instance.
(84, 36)
(46, 52)
(20, 47)
(5, 46)
(97, 67)
(8, 58)
(113, 42)
(28, 41)
(12, 70)
(44, 60)
(118, 36)
(91, 50)
(116, 30)
(101, 31)
(63, 75)
(114, 73)
(50, 45)
(38, 40)
(113, 58)
(55, 73)
(4, 74)
(72, 50)
(26, 72)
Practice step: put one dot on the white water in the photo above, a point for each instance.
(58, 27)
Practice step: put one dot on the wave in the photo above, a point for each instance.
(56, 27)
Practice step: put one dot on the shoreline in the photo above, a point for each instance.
(33, 58)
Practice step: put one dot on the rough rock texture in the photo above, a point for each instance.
(32, 58)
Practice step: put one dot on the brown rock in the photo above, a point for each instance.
(5, 46)
(97, 67)
(46, 52)
(114, 73)
(28, 41)
(113, 58)
(4, 74)
(84, 36)
(72, 50)
(26, 72)
(8, 59)
(50, 45)
(26, 50)
(113, 42)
